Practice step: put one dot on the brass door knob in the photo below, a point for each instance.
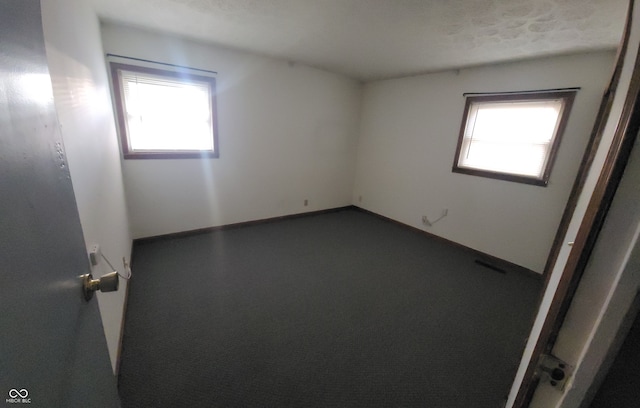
(106, 283)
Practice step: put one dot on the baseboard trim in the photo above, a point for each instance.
(124, 314)
(484, 258)
(205, 230)
(496, 263)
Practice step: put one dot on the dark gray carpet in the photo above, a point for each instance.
(334, 310)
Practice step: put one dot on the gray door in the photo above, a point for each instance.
(52, 347)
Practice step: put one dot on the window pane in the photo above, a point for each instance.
(512, 158)
(528, 122)
(510, 136)
(164, 114)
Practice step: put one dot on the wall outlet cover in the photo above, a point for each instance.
(94, 255)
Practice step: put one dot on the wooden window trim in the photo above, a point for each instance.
(127, 153)
(567, 96)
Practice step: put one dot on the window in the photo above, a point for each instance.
(512, 137)
(164, 114)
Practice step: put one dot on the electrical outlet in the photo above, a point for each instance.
(306, 203)
(359, 199)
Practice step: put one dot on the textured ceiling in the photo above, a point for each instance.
(372, 39)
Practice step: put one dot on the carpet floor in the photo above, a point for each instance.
(342, 309)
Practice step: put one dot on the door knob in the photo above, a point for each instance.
(107, 283)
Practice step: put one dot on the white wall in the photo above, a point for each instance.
(81, 92)
(408, 137)
(286, 133)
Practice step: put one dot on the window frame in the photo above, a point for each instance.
(567, 97)
(121, 116)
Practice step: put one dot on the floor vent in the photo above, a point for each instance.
(490, 266)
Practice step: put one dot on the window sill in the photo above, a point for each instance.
(170, 155)
(502, 176)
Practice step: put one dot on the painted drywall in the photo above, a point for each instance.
(82, 99)
(408, 135)
(287, 133)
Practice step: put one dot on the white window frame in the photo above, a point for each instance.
(121, 112)
(473, 102)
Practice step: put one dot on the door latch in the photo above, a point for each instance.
(107, 283)
(554, 370)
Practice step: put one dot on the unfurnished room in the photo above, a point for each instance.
(298, 203)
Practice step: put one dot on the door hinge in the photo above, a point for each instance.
(554, 371)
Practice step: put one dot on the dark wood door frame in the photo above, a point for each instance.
(596, 212)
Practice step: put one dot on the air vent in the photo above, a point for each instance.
(490, 266)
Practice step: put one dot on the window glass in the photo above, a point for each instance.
(512, 137)
(164, 114)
